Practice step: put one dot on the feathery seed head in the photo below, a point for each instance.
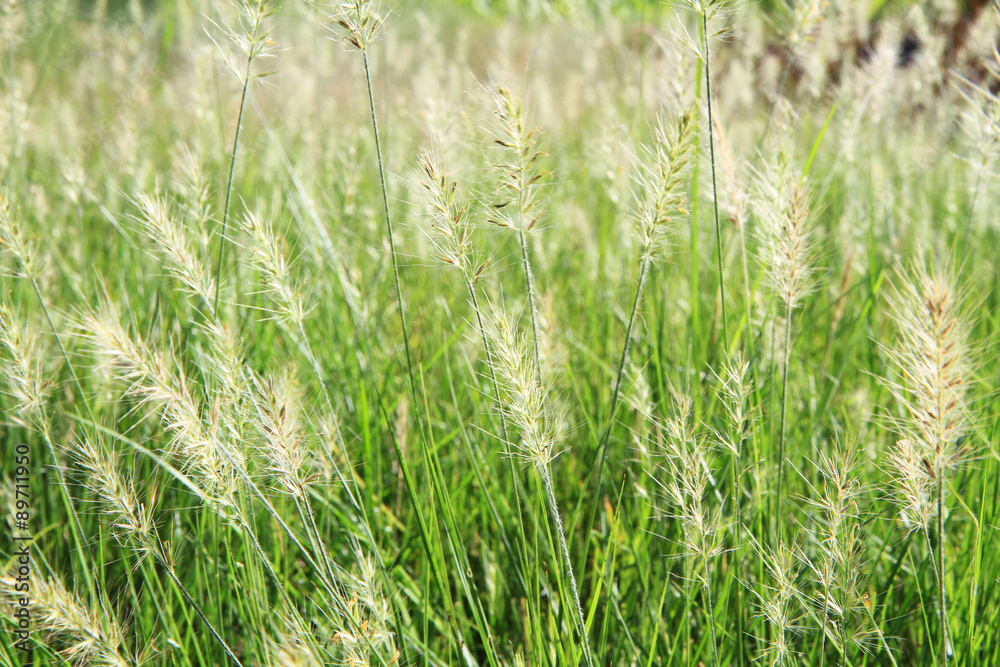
(518, 165)
(524, 401)
(249, 38)
(735, 198)
(131, 520)
(686, 474)
(24, 369)
(787, 244)
(934, 360)
(172, 241)
(156, 379)
(804, 16)
(367, 638)
(361, 21)
(777, 600)
(225, 358)
(660, 179)
(449, 228)
(839, 566)
(191, 185)
(914, 478)
(275, 417)
(88, 636)
(736, 388)
(268, 258)
(14, 240)
(12, 21)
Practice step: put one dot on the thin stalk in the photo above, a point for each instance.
(546, 474)
(711, 617)
(784, 411)
(715, 193)
(229, 183)
(686, 567)
(201, 614)
(388, 226)
(402, 314)
(602, 446)
(530, 280)
(881, 636)
(939, 659)
(940, 566)
(737, 481)
(746, 278)
(616, 395)
(826, 617)
(940, 470)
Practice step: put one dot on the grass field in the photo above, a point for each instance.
(487, 334)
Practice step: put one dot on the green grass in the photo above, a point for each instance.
(521, 434)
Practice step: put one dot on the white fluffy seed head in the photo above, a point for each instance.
(523, 400)
(777, 600)
(786, 237)
(684, 476)
(156, 379)
(88, 635)
(131, 520)
(24, 368)
(735, 389)
(15, 240)
(934, 360)
(517, 164)
(447, 224)
(173, 243)
(247, 39)
(274, 413)
(660, 181)
(914, 481)
(267, 256)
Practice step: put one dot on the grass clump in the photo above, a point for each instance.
(342, 375)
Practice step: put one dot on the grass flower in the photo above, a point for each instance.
(172, 242)
(934, 360)
(787, 255)
(86, 635)
(517, 205)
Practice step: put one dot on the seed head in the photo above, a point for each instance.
(360, 21)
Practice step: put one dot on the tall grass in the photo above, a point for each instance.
(238, 453)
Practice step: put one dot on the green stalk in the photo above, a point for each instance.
(229, 183)
(710, 612)
(715, 193)
(546, 475)
(529, 279)
(940, 566)
(737, 480)
(388, 226)
(602, 446)
(201, 615)
(784, 410)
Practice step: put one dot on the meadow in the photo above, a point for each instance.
(541, 333)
